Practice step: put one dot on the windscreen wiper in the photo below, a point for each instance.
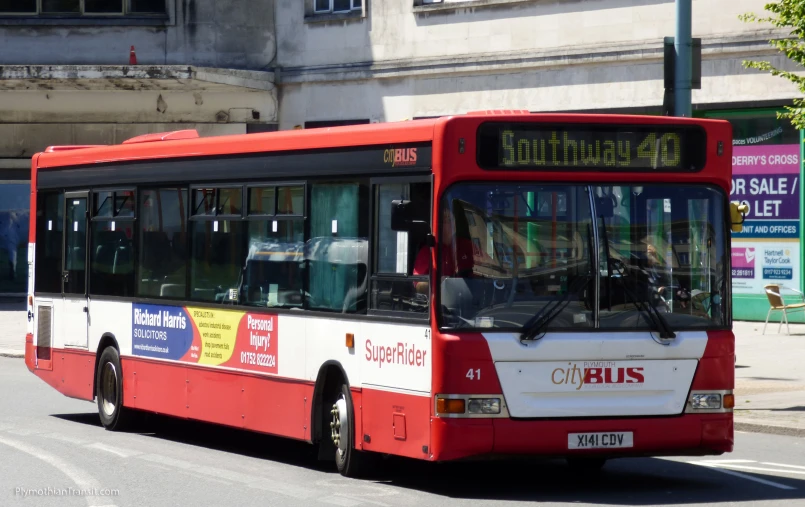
(656, 318)
(537, 324)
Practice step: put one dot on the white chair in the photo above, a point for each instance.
(777, 304)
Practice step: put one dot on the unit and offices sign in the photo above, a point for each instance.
(766, 178)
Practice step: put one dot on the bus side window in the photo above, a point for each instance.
(163, 236)
(273, 274)
(337, 254)
(112, 244)
(49, 225)
(400, 280)
(218, 250)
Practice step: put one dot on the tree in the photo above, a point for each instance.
(787, 14)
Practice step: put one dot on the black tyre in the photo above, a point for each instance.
(588, 465)
(349, 461)
(109, 392)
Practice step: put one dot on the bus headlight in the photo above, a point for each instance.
(470, 405)
(484, 406)
(710, 401)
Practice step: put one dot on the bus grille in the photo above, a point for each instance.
(43, 332)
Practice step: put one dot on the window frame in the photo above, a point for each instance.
(275, 185)
(39, 259)
(374, 274)
(188, 244)
(113, 191)
(125, 11)
(331, 9)
(192, 215)
(93, 219)
(138, 190)
(250, 218)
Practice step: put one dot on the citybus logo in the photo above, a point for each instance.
(399, 156)
(596, 373)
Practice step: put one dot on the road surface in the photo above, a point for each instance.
(53, 451)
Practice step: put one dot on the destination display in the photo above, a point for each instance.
(591, 147)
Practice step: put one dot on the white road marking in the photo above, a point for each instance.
(781, 465)
(359, 490)
(252, 481)
(725, 461)
(715, 468)
(282, 488)
(340, 500)
(24, 432)
(198, 476)
(760, 469)
(80, 477)
(118, 451)
(64, 438)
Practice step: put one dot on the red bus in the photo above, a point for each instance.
(496, 283)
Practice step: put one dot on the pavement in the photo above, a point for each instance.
(770, 378)
(769, 372)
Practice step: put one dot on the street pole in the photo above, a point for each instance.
(683, 60)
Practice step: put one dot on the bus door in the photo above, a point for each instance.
(75, 308)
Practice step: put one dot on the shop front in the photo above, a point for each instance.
(767, 176)
(14, 214)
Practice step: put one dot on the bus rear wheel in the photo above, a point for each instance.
(349, 461)
(109, 391)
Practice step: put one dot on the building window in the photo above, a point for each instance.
(336, 6)
(112, 254)
(82, 7)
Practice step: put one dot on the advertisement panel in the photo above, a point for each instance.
(231, 338)
(766, 178)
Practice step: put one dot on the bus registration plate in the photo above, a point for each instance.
(606, 440)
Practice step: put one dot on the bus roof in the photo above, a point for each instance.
(186, 143)
(170, 145)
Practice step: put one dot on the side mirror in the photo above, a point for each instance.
(737, 215)
(401, 212)
(402, 218)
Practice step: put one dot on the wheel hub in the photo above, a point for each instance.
(109, 389)
(339, 422)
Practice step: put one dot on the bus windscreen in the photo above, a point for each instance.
(534, 146)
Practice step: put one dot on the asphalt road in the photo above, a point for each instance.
(54, 449)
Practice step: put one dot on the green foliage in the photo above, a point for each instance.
(788, 14)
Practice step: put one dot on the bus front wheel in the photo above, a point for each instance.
(109, 391)
(349, 461)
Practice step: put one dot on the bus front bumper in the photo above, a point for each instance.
(685, 435)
